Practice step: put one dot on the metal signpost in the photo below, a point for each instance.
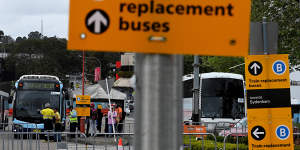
(165, 27)
(158, 102)
(268, 94)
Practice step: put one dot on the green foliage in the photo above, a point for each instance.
(188, 64)
(229, 139)
(225, 64)
(35, 35)
(41, 56)
(48, 55)
(209, 143)
(1, 34)
(189, 61)
(287, 14)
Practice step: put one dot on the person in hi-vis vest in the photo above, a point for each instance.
(48, 115)
(73, 120)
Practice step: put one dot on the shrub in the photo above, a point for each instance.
(209, 143)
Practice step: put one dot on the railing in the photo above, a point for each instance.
(10, 138)
(33, 140)
(237, 139)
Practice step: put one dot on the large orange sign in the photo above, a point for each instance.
(268, 102)
(152, 26)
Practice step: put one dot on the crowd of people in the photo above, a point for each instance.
(111, 120)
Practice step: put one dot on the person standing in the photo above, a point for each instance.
(57, 125)
(73, 120)
(111, 115)
(99, 118)
(48, 115)
(93, 118)
(119, 119)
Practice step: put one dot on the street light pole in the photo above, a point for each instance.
(99, 62)
(91, 57)
(83, 72)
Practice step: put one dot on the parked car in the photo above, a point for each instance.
(239, 129)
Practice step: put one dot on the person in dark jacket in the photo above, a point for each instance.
(99, 118)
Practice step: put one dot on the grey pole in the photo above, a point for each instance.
(265, 39)
(158, 113)
(195, 114)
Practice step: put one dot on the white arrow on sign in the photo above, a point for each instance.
(255, 133)
(255, 66)
(97, 18)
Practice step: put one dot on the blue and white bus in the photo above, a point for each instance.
(30, 95)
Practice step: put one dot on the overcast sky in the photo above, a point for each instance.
(20, 17)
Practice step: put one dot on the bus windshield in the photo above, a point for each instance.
(29, 103)
(221, 98)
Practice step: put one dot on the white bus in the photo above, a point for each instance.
(295, 95)
(221, 97)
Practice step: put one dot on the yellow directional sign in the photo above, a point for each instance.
(268, 102)
(83, 99)
(151, 26)
(83, 111)
(267, 71)
(267, 131)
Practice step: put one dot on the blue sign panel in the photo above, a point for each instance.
(282, 132)
(279, 67)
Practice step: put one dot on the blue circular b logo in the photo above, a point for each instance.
(282, 132)
(279, 67)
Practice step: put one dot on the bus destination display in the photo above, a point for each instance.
(38, 85)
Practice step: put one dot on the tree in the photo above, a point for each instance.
(225, 64)
(5, 38)
(203, 66)
(48, 55)
(35, 35)
(287, 14)
(19, 39)
(1, 34)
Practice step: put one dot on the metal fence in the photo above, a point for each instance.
(41, 140)
(101, 141)
(223, 136)
(236, 135)
(31, 138)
